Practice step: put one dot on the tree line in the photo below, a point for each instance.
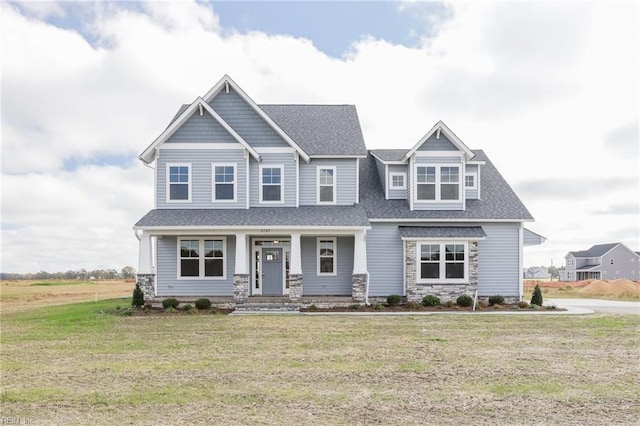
(127, 272)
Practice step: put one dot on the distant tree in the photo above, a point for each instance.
(128, 272)
(553, 271)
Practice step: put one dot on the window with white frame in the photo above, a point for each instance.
(470, 181)
(271, 184)
(442, 262)
(201, 258)
(437, 183)
(326, 185)
(326, 256)
(224, 182)
(398, 180)
(178, 182)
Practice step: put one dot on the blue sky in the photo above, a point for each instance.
(86, 86)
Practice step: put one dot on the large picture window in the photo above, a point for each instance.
(326, 256)
(442, 262)
(178, 182)
(437, 183)
(326, 185)
(271, 184)
(201, 258)
(224, 182)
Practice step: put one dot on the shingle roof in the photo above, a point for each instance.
(499, 201)
(263, 216)
(441, 232)
(597, 250)
(320, 129)
(390, 154)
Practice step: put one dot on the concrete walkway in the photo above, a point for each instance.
(598, 305)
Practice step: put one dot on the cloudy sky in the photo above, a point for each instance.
(549, 90)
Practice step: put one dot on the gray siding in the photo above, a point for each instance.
(201, 177)
(346, 180)
(384, 260)
(498, 260)
(472, 194)
(201, 128)
(437, 160)
(338, 285)
(168, 283)
(381, 174)
(397, 194)
(433, 144)
(625, 264)
(245, 121)
(289, 188)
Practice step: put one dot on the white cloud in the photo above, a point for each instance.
(539, 86)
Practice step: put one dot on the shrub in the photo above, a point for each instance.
(188, 307)
(313, 308)
(430, 300)
(138, 297)
(203, 303)
(377, 307)
(394, 299)
(523, 305)
(355, 306)
(464, 300)
(413, 305)
(496, 300)
(170, 302)
(536, 298)
(449, 304)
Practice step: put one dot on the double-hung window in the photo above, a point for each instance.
(442, 262)
(437, 183)
(326, 185)
(224, 182)
(326, 256)
(201, 258)
(178, 182)
(271, 184)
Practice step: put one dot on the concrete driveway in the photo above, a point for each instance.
(598, 305)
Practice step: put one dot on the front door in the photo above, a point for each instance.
(272, 271)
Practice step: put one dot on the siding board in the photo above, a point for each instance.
(346, 170)
(338, 285)
(289, 188)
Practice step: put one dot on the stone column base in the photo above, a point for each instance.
(359, 288)
(240, 288)
(295, 287)
(147, 283)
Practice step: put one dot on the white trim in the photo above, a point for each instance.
(520, 261)
(334, 241)
(442, 263)
(404, 180)
(386, 182)
(448, 134)
(439, 154)
(201, 258)
(357, 180)
(477, 162)
(168, 182)
(253, 229)
(442, 239)
(319, 157)
(260, 185)
(438, 183)
(200, 145)
(334, 185)
(296, 158)
(247, 189)
(214, 183)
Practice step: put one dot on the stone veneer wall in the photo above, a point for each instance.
(295, 287)
(449, 291)
(359, 287)
(240, 287)
(147, 285)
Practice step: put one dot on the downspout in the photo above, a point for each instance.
(520, 262)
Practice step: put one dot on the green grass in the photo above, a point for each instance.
(60, 283)
(83, 363)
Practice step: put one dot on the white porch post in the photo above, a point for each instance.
(360, 253)
(241, 266)
(145, 262)
(295, 263)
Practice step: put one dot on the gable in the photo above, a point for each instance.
(433, 143)
(434, 138)
(245, 121)
(201, 128)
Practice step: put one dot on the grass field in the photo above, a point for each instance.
(79, 364)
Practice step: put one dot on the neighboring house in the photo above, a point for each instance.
(537, 273)
(603, 262)
(286, 201)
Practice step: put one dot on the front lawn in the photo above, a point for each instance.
(82, 364)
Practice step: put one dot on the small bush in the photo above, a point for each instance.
(313, 308)
(394, 299)
(377, 307)
(536, 298)
(355, 306)
(450, 304)
(464, 300)
(496, 300)
(138, 297)
(413, 305)
(203, 303)
(430, 300)
(188, 307)
(170, 302)
(523, 305)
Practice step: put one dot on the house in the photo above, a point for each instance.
(602, 262)
(285, 203)
(536, 273)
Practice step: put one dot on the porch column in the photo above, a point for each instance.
(145, 276)
(241, 270)
(360, 275)
(295, 270)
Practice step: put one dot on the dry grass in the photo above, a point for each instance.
(27, 294)
(78, 365)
